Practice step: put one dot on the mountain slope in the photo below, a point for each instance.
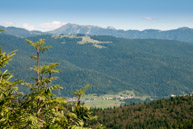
(182, 34)
(148, 67)
(20, 32)
(71, 77)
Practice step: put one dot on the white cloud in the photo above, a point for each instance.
(28, 27)
(9, 23)
(148, 18)
(51, 25)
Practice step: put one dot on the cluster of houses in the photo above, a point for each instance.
(116, 97)
(74, 99)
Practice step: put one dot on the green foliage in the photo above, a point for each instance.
(4, 59)
(161, 114)
(81, 92)
(39, 45)
(39, 108)
(8, 94)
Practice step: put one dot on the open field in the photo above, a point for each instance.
(110, 100)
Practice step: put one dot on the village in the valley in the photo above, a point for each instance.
(90, 100)
(109, 100)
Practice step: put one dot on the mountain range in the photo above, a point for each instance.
(181, 34)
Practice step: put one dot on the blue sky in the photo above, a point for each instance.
(122, 14)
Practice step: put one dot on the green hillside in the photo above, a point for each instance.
(147, 67)
(172, 113)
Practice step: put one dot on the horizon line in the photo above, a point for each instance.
(108, 27)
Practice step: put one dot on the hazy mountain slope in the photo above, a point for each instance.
(182, 34)
(20, 32)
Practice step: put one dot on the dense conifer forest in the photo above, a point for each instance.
(172, 113)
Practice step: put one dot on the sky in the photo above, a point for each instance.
(45, 15)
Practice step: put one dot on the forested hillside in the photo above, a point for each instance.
(147, 67)
(162, 114)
